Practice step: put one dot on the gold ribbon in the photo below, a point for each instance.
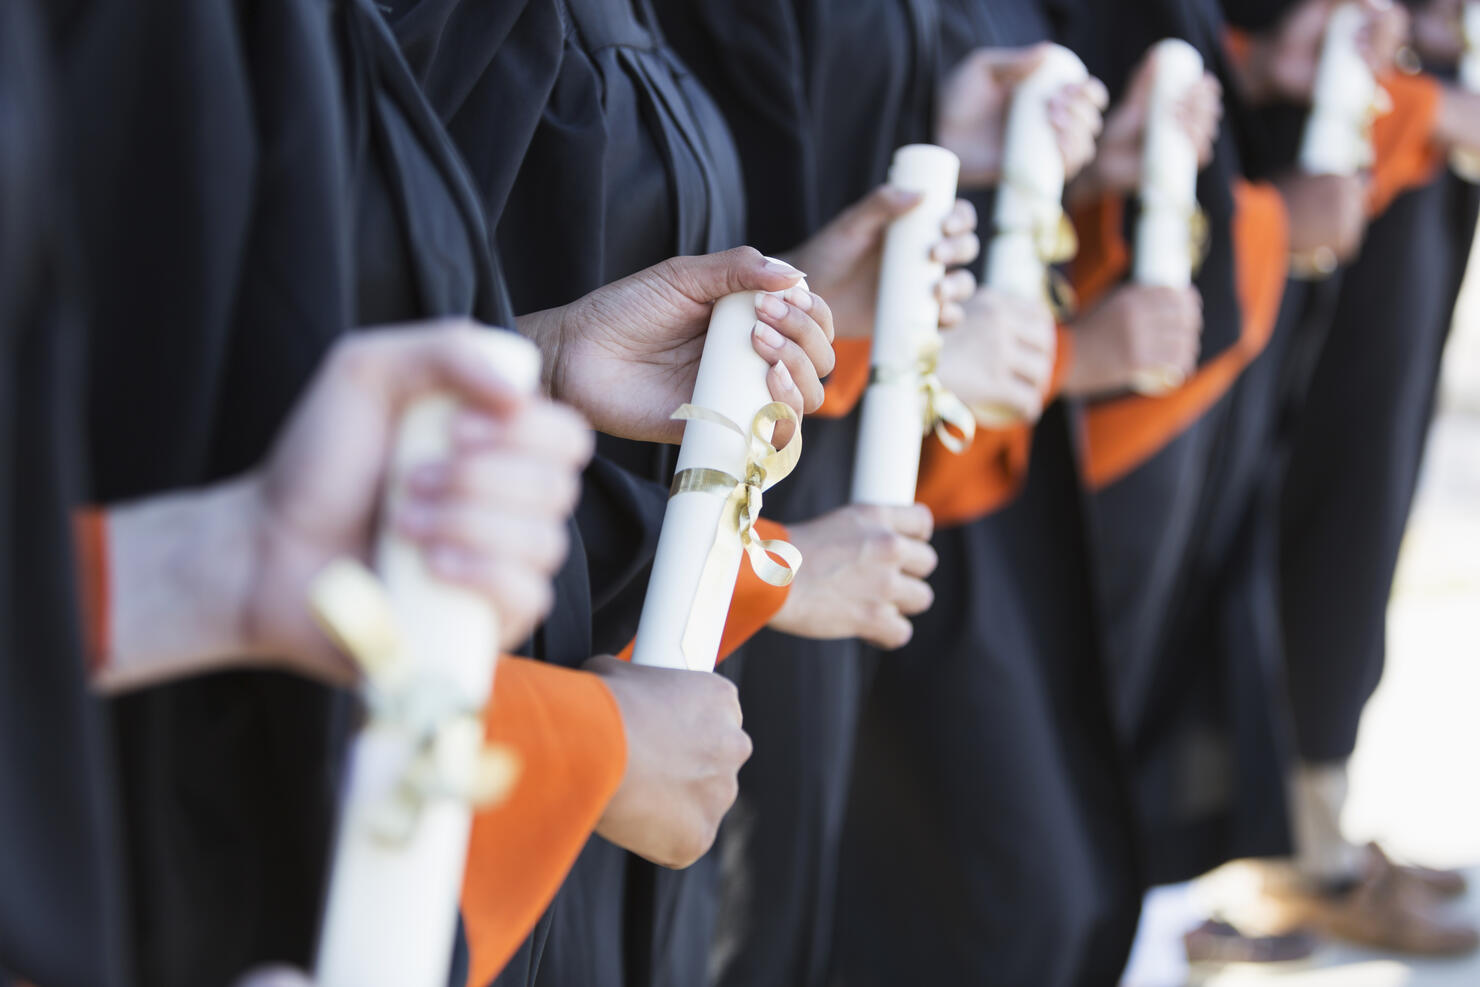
(1054, 241)
(421, 715)
(765, 466)
(943, 410)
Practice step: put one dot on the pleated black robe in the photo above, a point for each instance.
(1356, 448)
(1187, 619)
(62, 895)
(815, 135)
(987, 837)
(255, 180)
(616, 160)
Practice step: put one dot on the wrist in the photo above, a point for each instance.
(180, 572)
(548, 330)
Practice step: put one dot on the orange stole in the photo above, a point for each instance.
(1405, 155)
(567, 730)
(754, 604)
(1122, 433)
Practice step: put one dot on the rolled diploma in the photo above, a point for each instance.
(1032, 177)
(1336, 141)
(391, 916)
(1465, 161)
(1168, 172)
(907, 320)
(1469, 63)
(732, 382)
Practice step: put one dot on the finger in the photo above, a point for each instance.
(885, 627)
(914, 521)
(1012, 65)
(956, 250)
(709, 277)
(799, 327)
(951, 314)
(554, 431)
(918, 558)
(784, 389)
(514, 482)
(1093, 90)
(473, 529)
(455, 355)
(521, 595)
(957, 286)
(1032, 365)
(1023, 397)
(910, 596)
(961, 219)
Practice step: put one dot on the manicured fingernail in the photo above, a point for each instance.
(766, 334)
(800, 297)
(430, 476)
(783, 378)
(473, 429)
(781, 267)
(770, 305)
(414, 517)
(446, 560)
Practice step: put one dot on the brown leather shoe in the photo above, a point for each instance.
(1386, 909)
(1443, 883)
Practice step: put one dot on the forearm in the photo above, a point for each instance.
(179, 574)
(1457, 122)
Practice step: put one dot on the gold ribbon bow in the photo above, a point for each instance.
(1054, 241)
(765, 466)
(943, 410)
(437, 738)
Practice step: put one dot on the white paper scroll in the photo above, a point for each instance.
(1029, 210)
(391, 916)
(1166, 238)
(1337, 138)
(906, 330)
(1465, 161)
(683, 615)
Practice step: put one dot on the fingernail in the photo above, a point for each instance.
(429, 476)
(781, 267)
(766, 334)
(783, 377)
(770, 305)
(414, 517)
(800, 297)
(447, 560)
(473, 429)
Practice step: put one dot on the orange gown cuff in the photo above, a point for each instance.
(1122, 433)
(845, 385)
(567, 730)
(753, 604)
(1104, 257)
(90, 541)
(1405, 153)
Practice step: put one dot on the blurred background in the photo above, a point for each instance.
(1416, 774)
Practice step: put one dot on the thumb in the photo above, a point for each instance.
(278, 976)
(710, 277)
(1012, 65)
(487, 369)
(867, 218)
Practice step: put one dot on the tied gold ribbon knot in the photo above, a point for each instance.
(437, 738)
(765, 466)
(943, 410)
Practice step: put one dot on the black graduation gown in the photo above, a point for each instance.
(815, 135)
(1355, 452)
(986, 839)
(617, 162)
(293, 185)
(1187, 620)
(62, 918)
